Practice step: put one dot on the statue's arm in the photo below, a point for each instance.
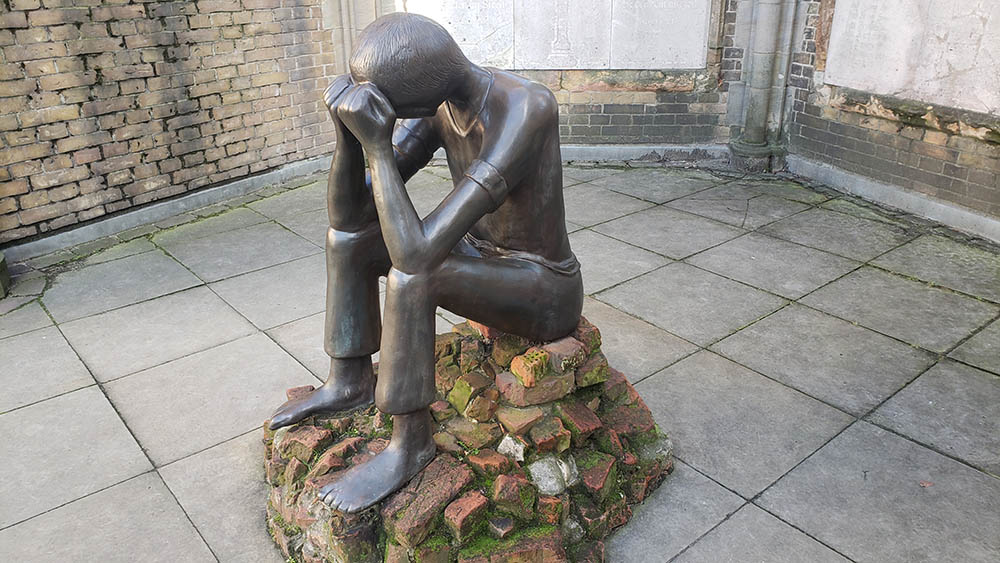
(415, 245)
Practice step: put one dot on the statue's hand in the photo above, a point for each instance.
(335, 92)
(368, 114)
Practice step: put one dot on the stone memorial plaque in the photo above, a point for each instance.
(943, 52)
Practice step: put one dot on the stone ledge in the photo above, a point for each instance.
(543, 450)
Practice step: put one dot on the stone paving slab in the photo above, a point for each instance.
(109, 285)
(685, 506)
(312, 226)
(184, 406)
(221, 490)
(875, 496)
(229, 220)
(590, 174)
(845, 365)
(303, 339)
(754, 535)
(669, 232)
(982, 350)
(123, 250)
(946, 262)
(934, 319)
(782, 188)
(38, 365)
(292, 202)
(61, 449)
(953, 408)
(137, 520)
(231, 253)
(658, 185)
(846, 235)
(27, 318)
(633, 346)
(739, 427)
(781, 267)
(605, 261)
(153, 332)
(751, 212)
(588, 205)
(696, 305)
(294, 290)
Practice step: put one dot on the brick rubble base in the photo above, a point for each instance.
(542, 452)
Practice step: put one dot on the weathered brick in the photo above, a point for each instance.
(59, 16)
(12, 20)
(16, 53)
(50, 179)
(25, 152)
(68, 80)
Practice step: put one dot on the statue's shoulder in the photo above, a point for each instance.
(536, 99)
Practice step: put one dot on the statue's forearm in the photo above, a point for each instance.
(349, 202)
(402, 229)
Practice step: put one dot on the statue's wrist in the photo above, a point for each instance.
(380, 149)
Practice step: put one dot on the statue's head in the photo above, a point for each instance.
(411, 59)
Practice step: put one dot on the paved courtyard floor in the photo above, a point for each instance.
(828, 372)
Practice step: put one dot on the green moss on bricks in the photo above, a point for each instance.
(485, 545)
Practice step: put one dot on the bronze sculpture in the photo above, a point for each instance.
(495, 250)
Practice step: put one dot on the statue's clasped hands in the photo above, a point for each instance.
(363, 109)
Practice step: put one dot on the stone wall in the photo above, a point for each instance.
(107, 105)
(939, 151)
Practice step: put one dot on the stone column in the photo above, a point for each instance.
(345, 19)
(760, 147)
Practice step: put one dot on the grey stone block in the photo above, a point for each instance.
(750, 213)
(588, 205)
(278, 294)
(874, 496)
(781, 267)
(694, 304)
(605, 261)
(122, 250)
(226, 391)
(839, 233)
(38, 365)
(632, 346)
(735, 425)
(231, 253)
(229, 220)
(840, 363)
(666, 231)
(658, 185)
(137, 520)
(685, 506)
(935, 319)
(109, 285)
(982, 350)
(222, 491)
(303, 339)
(140, 336)
(754, 535)
(948, 263)
(293, 202)
(61, 449)
(312, 226)
(953, 408)
(24, 319)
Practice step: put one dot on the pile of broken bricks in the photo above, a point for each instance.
(543, 450)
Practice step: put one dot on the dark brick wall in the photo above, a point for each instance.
(672, 118)
(106, 105)
(938, 162)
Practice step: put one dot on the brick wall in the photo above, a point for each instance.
(110, 104)
(941, 152)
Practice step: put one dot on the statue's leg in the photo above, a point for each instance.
(355, 257)
(512, 295)
(405, 389)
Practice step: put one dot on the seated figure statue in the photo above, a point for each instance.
(495, 250)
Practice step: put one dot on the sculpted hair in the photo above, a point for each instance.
(407, 54)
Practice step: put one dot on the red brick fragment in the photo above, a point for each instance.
(410, 512)
(294, 470)
(631, 419)
(550, 435)
(346, 446)
(597, 472)
(565, 354)
(501, 527)
(552, 388)
(515, 495)
(550, 509)
(588, 334)
(578, 419)
(326, 463)
(489, 463)
(487, 332)
(442, 411)
(301, 442)
(395, 554)
(437, 553)
(445, 442)
(519, 421)
(464, 514)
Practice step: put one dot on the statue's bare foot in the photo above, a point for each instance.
(351, 384)
(409, 451)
